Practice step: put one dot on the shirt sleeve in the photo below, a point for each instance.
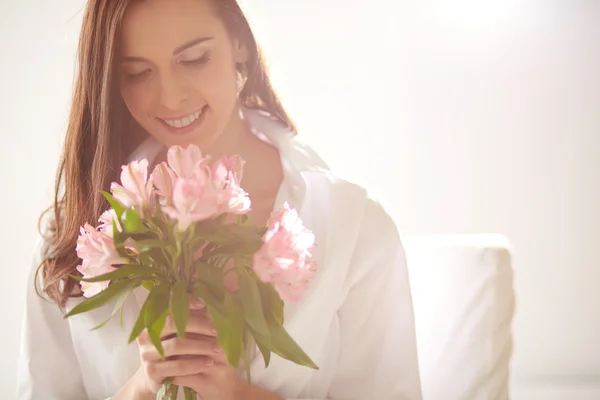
(378, 358)
(47, 366)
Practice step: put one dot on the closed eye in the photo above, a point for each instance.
(197, 61)
(138, 75)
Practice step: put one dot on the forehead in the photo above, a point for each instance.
(151, 26)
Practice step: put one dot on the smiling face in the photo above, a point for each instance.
(177, 70)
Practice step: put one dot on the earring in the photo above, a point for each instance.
(242, 78)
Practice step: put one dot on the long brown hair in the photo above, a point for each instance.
(95, 145)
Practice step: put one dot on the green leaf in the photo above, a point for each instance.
(262, 230)
(243, 247)
(155, 331)
(286, 347)
(220, 219)
(168, 391)
(127, 270)
(218, 235)
(121, 318)
(147, 244)
(212, 278)
(174, 392)
(246, 231)
(118, 307)
(116, 233)
(165, 389)
(250, 298)
(148, 284)
(196, 242)
(137, 328)
(272, 303)
(131, 221)
(236, 338)
(157, 256)
(114, 204)
(230, 329)
(246, 240)
(180, 306)
(77, 278)
(108, 294)
(242, 219)
(189, 394)
(155, 305)
(266, 353)
(206, 293)
(219, 260)
(247, 353)
(102, 324)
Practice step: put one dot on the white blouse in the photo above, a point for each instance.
(356, 320)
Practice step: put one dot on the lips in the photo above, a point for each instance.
(185, 121)
(184, 124)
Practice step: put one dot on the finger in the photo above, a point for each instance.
(158, 371)
(199, 381)
(208, 383)
(197, 323)
(196, 303)
(143, 338)
(178, 347)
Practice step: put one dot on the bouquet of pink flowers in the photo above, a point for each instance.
(183, 231)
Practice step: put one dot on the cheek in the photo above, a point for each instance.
(139, 98)
(216, 85)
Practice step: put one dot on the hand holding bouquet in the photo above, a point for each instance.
(183, 232)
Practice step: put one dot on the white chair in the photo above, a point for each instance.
(464, 304)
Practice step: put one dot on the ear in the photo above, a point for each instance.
(240, 52)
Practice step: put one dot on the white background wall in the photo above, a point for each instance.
(465, 116)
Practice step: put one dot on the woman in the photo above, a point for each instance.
(155, 73)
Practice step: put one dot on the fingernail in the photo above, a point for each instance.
(216, 348)
(213, 331)
(197, 302)
(210, 362)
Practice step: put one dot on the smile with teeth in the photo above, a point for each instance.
(182, 123)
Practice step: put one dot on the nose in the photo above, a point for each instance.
(173, 93)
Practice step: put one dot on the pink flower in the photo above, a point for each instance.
(93, 288)
(234, 165)
(285, 258)
(106, 222)
(99, 255)
(185, 161)
(201, 190)
(135, 189)
(164, 179)
(194, 199)
(227, 175)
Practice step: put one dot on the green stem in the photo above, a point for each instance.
(188, 253)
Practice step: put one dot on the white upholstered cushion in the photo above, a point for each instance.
(464, 303)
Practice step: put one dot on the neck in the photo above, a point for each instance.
(235, 139)
(262, 164)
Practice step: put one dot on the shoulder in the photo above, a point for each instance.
(378, 234)
(353, 206)
(378, 224)
(343, 193)
(356, 235)
(363, 235)
(373, 219)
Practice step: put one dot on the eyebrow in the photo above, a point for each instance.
(177, 50)
(190, 44)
